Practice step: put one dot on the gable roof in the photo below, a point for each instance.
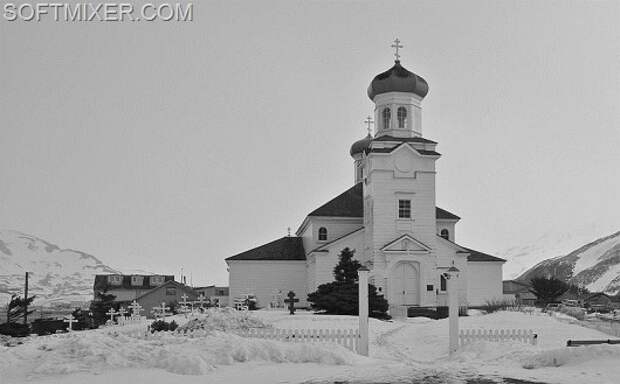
(350, 203)
(445, 215)
(286, 248)
(481, 256)
(185, 288)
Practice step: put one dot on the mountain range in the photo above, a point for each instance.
(595, 266)
(55, 273)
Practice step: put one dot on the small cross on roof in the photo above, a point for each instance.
(396, 46)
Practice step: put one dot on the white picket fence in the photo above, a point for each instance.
(471, 335)
(348, 338)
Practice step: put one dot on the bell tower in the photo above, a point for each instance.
(397, 95)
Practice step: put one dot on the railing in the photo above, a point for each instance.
(471, 335)
(348, 338)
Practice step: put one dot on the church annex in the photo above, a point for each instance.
(388, 216)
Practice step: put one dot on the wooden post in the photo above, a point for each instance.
(453, 310)
(363, 310)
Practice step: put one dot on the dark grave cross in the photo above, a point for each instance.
(291, 301)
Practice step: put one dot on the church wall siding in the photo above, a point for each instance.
(265, 277)
(484, 282)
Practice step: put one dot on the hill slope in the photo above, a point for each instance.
(56, 274)
(595, 265)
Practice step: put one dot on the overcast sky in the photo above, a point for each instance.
(161, 145)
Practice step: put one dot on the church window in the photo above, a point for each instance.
(322, 234)
(429, 287)
(401, 114)
(445, 234)
(443, 283)
(404, 209)
(387, 115)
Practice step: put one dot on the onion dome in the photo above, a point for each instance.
(360, 145)
(397, 79)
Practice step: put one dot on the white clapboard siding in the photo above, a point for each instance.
(348, 338)
(467, 336)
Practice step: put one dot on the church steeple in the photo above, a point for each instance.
(397, 94)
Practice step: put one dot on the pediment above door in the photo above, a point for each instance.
(406, 243)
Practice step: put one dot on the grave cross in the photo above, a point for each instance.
(70, 319)
(201, 300)
(122, 312)
(291, 302)
(112, 313)
(135, 308)
(162, 310)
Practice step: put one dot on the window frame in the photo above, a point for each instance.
(402, 209)
(447, 233)
(401, 117)
(386, 117)
(322, 234)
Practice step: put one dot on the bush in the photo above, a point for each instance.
(577, 313)
(340, 297)
(497, 305)
(162, 325)
(14, 329)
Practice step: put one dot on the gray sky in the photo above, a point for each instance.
(156, 145)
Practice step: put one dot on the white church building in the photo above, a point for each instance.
(388, 216)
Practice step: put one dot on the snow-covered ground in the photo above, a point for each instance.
(400, 351)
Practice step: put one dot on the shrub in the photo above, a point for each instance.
(14, 329)
(340, 297)
(162, 325)
(577, 313)
(495, 305)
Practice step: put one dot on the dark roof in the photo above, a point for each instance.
(397, 79)
(389, 150)
(416, 139)
(445, 215)
(360, 145)
(480, 256)
(286, 248)
(101, 282)
(348, 204)
(318, 249)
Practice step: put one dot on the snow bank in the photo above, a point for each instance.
(103, 350)
(571, 356)
(223, 319)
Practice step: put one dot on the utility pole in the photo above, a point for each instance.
(26, 300)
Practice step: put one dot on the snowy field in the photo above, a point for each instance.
(401, 351)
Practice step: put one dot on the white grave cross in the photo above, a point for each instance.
(112, 313)
(70, 319)
(135, 308)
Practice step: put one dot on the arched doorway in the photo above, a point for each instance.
(405, 284)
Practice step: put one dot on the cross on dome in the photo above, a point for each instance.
(396, 46)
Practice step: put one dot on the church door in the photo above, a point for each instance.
(405, 283)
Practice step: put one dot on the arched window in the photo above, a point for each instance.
(401, 114)
(387, 115)
(445, 234)
(322, 234)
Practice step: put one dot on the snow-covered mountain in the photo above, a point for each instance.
(56, 274)
(595, 265)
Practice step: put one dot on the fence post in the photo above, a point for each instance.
(363, 310)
